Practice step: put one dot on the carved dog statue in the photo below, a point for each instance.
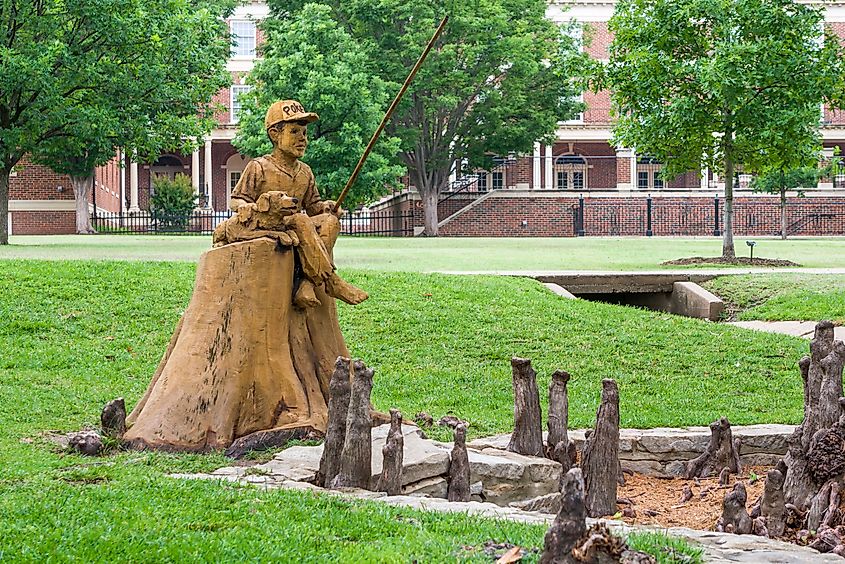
(268, 217)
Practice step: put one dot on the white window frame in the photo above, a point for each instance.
(246, 51)
(233, 98)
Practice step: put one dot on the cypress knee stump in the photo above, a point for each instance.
(242, 358)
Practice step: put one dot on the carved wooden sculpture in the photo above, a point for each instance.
(459, 471)
(356, 457)
(339, 390)
(527, 437)
(721, 452)
(254, 351)
(390, 480)
(600, 457)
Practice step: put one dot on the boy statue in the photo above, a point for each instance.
(286, 124)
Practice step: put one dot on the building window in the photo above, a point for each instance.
(235, 110)
(498, 180)
(481, 183)
(648, 174)
(571, 172)
(243, 35)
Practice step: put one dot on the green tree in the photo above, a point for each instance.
(310, 58)
(172, 202)
(780, 181)
(720, 84)
(80, 78)
(494, 84)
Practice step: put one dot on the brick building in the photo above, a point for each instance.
(579, 184)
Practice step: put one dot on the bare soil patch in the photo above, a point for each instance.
(737, 261)
(657, 501)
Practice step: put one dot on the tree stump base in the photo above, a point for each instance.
(242, 358)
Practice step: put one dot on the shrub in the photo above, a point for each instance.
(172, 202)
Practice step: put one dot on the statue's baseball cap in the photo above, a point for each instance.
(287, 110)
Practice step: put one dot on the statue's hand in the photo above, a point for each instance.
(288, 238)
(329, 207)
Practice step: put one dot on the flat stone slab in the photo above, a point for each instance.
(664, 451)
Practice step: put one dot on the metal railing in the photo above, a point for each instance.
(198, 222)
(378, 223)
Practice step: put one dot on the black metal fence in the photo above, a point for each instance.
(701, 217)
(378, 223)
(203, 222)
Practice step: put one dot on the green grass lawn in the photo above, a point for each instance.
(450, 254)
(783, 296)
(76, 334)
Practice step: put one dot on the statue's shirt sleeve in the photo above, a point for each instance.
(311, 200)
(248, 186)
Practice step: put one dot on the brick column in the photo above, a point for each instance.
(624, 174)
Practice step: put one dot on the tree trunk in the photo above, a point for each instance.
(600, 457)
(242, 359)
(527, 437)
(728, 250)
(356, 458)
(81, 191)
(339, 389)
(430, 216)
(783, 214)
(4, 203)
(459, 471)
(392, 452)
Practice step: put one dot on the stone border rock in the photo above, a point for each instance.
(664, 451)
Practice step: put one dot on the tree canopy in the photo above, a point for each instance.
(311, 58)
(80, 78)
(721, 83)
(493, 85)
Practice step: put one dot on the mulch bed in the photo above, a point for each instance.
(738, 261)
(657, 501)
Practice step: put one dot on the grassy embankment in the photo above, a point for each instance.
(75, 334)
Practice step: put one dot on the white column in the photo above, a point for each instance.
(208, 182)
(133, 186)
(549, 169)
(827, 155)
(705, 181)
(195, 171)
(122, 160)
(633, 169)
(535, 167)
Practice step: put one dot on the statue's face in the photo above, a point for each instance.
(290, 137)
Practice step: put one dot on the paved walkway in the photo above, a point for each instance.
(803, 329)
(712, 272)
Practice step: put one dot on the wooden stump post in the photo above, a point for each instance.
(113, 418)
(558, 440)
(339, 390)
(735, 518)
(600, 459)
(459, 474)
(570, 524)
(390, 480)
(772, 506)
(720, 453)
(356, 457)
(527, 437)
(815, 462)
